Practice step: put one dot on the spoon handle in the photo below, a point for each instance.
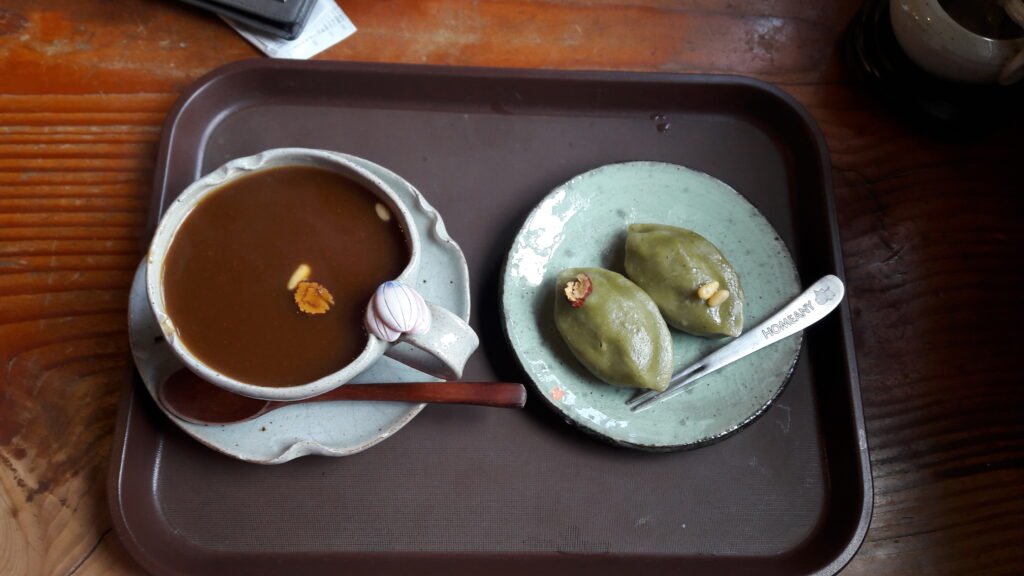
(812, 305)
(496, 394)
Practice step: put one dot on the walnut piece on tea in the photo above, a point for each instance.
(312, 298)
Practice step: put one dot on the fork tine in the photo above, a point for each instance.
(678, 377)
(641, 397)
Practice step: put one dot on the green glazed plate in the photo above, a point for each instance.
(583, 223)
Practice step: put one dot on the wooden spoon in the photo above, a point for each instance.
(191, 398)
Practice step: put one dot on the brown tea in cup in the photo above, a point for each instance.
(267, 279)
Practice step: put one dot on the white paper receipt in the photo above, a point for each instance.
(327, 26)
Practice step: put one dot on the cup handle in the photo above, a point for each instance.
(441, 351)
(1013, 69)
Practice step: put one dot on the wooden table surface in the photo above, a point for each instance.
(931, 232)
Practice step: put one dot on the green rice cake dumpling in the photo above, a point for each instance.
(695, 287)
(613, 328)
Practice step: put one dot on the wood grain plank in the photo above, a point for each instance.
(155, 103)
(74, 118)
(107, 558)
(51, 205)
(12, 180)
(74, 174)
(57, 47)
(94, 149)
(50, 219)
(927, 226)
(64, 280)
(73, 262)
(116, 190)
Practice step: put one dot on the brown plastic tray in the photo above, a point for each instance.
(483, 491)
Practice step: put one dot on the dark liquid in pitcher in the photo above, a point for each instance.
(227, 271)
(983, 17)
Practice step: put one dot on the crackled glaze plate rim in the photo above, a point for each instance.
(435, 233)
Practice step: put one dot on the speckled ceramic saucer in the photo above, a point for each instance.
(329, 428)
(583, 223)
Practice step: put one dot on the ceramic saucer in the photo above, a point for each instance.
(329, 428)
(583, 223)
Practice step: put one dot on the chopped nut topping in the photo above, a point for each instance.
(576, 291)
(718, 297)
(382, 212)
(707, 290)
(313, 298)
(301, 274)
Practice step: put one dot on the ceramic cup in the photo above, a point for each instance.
(943, 47)
(440, 349)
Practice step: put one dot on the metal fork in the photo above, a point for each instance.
(812, 305)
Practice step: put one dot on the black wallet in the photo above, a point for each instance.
(282, 18)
